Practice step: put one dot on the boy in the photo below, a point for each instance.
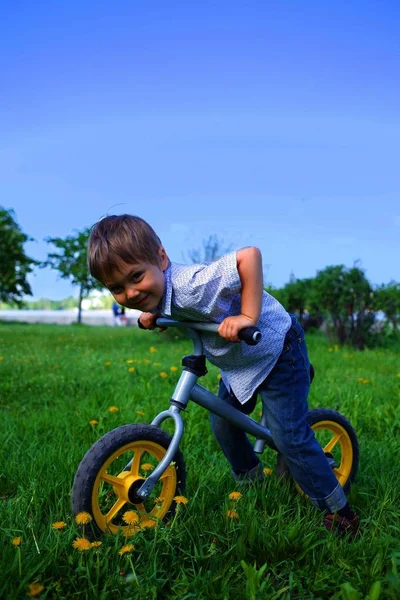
(126, 255)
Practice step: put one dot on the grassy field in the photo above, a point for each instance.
(55, 380)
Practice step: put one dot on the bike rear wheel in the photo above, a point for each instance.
(339, 442)
(112, 471)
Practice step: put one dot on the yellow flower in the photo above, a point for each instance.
(147, 467)
(125, 549)
(83, 518)
(58, 525)
(152, 349)
(131, 369)
(81, 544)
(163, 374)
(130, 517)
(1, 358)
(16, 541)
(235, 496)
(398, 375)
(35, 589)
(93, 422)
(107, 363)
(140, 413)
(267, 471)
(181, 500)
(96, 544)
(330, 349)
(130, 361)
(219, 376)
(173, 369)
(146, 361)
(158, 500)
(113, 409)
(232, 514)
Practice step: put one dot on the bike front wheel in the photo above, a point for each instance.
(113, 470)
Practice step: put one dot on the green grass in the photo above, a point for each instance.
(54, 380)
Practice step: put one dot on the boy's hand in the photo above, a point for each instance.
(148, 321)
(231, 326)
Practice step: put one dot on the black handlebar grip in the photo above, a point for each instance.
(250, 335)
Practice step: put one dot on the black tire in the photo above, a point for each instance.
(345, 464)
(105, 465)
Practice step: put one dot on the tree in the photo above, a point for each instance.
(212, 250)
(15, 265)
(70, 261)
(387, 299)
(346, 295)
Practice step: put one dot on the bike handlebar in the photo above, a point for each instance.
(249, 335)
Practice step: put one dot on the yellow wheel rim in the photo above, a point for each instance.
(110, 495)
(335, 441)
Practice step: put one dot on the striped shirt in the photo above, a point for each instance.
(210, 293)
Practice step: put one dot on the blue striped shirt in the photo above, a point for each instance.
(210, 293)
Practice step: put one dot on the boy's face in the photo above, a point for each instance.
(139, 285)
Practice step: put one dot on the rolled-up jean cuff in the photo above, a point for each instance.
(332, 503)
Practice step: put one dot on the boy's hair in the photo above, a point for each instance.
(121, 239)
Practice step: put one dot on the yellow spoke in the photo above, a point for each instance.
(330, 445)
(114, 510)
(113, 480)
(136, 462)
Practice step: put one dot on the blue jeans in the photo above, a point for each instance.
(284, 395)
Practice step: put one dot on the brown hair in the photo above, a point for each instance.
(121, 238)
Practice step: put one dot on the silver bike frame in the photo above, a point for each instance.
(187, 389)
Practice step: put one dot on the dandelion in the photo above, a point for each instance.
(130, 361)
(140, 413)
(130, 517)
(235, 496)
(16, 541)
(267, 471)
(93, 422)
(107, 363)
(96, 544)
(173, 369)
(232, 514)
(59, 525)
(1, 358)
(113, 409)
(83, 518)
(330, 349)
(35, 589)
(219, 376)
(158, 500)
(125, 549)
(81, 544)
(181, 500)
(147, 467)
(163, 374)
(131, 369)
(152, 349)
(146, 361)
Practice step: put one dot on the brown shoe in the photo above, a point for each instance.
(341, 525)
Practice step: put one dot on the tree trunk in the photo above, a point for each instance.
(80, 305)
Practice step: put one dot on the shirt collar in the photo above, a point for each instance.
(167, 297)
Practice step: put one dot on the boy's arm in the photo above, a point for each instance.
(249, 265)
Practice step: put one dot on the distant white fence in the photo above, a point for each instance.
(66, 317)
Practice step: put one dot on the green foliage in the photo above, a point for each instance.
(70, 260)
(15, 265)
(387, 299)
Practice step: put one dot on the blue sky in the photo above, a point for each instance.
(268, 123)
